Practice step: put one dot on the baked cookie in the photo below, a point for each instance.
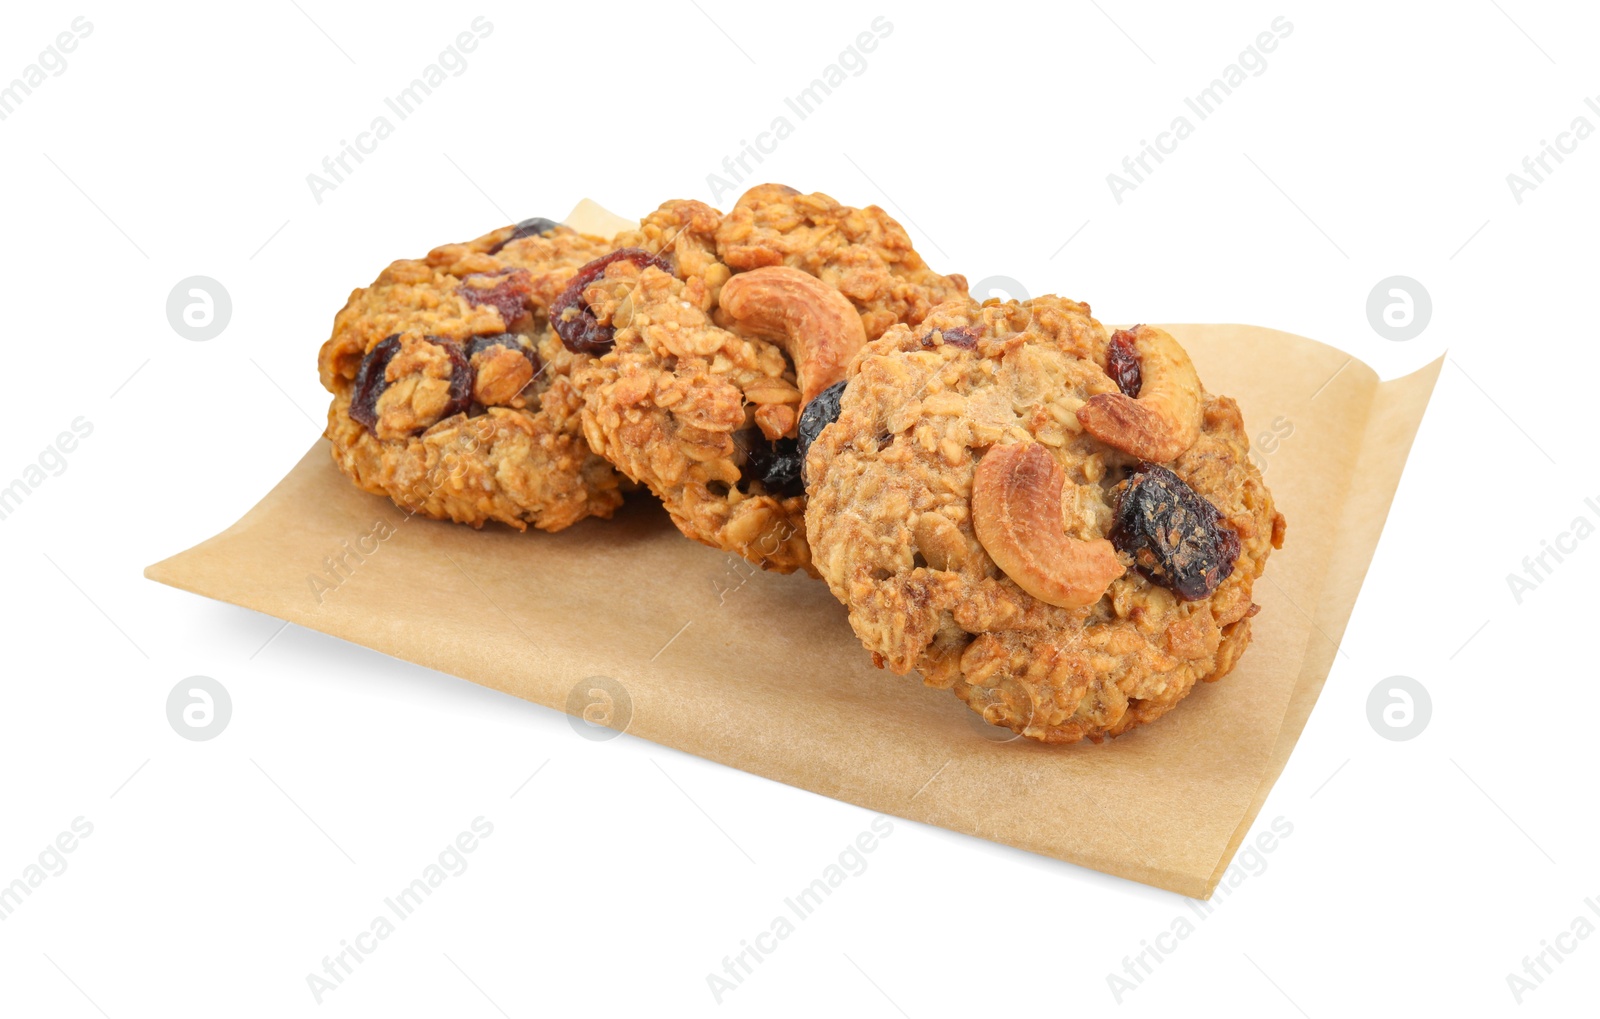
(451, 394)
(862, 253)
(1060, 525)
(709, 337)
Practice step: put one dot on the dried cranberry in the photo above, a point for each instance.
(822, 411)
(460, 376)
(509, 295)
(1176, 537)
(1122, 363)
(580, 331)
(526, 228)
(964, 337)
(776, 465)
(370, 381)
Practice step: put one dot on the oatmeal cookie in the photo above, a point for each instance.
(863, 253)
(712, 334)
(1060, 525)
(453, 396)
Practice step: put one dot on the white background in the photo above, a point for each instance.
(219, 874)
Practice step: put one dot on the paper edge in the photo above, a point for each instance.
(1333, 619)
(590, 217)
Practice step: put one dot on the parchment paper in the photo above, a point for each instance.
(762, 672)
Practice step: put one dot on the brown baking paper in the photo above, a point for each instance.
(762, 672)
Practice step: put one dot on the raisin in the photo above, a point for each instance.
(526, 228)
(460, 377)
(571, 318)
(1122, 363)
(776, 465)
(509, 294)
(1176, 537)
(370, 381)
(822, 411)
(964, 337)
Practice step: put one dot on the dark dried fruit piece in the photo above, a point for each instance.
(1176, 537)
(370, 381)
(580, 332)
(776, 465)
(460, 376)
(1122, 363)
(507, 291)
(821, 412)
(964, 337)
(526, 228)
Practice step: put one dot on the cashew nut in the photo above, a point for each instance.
(1165, 418)
(813, 322)
(1016, 514)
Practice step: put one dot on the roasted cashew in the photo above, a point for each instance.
(813, 322)
(1165, 418)
(1016, 514)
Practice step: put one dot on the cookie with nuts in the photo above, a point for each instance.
(1060, 525)
(453, 396)
(862, 253)
(711, 335)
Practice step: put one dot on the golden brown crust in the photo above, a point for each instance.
(516, 453)
(862, 252)
(890, 522)
(673, 405)
(691, 400)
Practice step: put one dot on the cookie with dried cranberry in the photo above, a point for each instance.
(703, 371)
(1058, 524)
(453, 396)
